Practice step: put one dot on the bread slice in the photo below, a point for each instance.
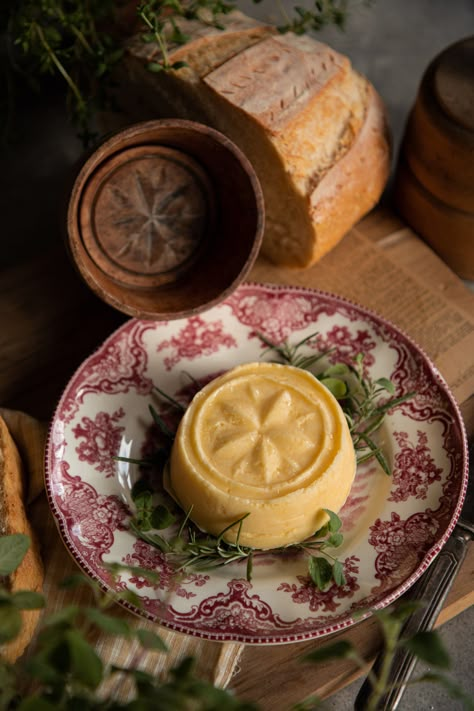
(13, 519)
(314, 129)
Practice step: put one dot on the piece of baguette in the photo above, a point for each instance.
(13, 519)
(314, 129)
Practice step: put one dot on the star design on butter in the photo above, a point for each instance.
(159, 223)
(258, 437)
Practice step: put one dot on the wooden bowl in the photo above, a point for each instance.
(165, 219)
(434, 185)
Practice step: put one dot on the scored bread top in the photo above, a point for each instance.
(313, 128)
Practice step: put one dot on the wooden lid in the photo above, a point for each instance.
(453, 82)
(145, 215)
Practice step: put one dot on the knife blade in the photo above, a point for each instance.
(431, 590)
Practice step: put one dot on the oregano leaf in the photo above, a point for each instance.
(334, 523)
(150, 640)
(386, 384)
(107, 623)
(86, 665)
(336, 387)
(342, 649)
(13, 549)
(161, 517)
(427, 646)
(335, 540)
(28, 600)
(320, 571)
(10, 622)
(338, 573)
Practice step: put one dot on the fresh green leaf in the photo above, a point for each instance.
(386, 384)
(150, 640)
(65, 616)
(86, 665)
(161, 517)
(336, 369)
(336, 387)
(342, 649)
(28, 600)
(322, 532)
(107, 623)
(334, 523)
(338, 573)
(320, 570)
(427, 645)
(10, 622)
(335, 540)
(13, 549)
(75, 580)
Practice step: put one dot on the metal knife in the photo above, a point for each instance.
(432, 589)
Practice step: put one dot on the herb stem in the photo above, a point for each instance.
(66, 76)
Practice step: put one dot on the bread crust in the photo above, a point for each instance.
(314, 129)
(13, 519)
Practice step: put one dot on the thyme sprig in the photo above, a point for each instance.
(81, 41)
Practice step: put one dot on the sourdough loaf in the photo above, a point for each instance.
(314, 129)
(13, 519)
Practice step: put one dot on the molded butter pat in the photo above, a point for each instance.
(268, 440)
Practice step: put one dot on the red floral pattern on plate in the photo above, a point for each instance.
(102, 440)
(415, 469)
(304, 592)
(401, 545)
(119, 365)
(148, 558)
(197, 338)
(393, 528)
(91, 518)
(236, 611)
(346, 347)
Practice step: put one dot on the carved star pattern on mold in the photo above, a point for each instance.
(160, 223)
(256, 437)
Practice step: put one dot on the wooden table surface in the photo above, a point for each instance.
(50, 321)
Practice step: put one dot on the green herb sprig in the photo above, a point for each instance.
(426, 646)
(65, 671)
(191, 549)
(358, 395)
(82, 41)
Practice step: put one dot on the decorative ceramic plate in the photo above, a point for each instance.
(393, 526)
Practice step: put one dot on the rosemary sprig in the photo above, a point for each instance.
(192, 549)
(358, 395)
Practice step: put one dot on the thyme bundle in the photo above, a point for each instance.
(81, 42)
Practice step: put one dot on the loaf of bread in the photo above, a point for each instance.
(314, 129)
(13, 519)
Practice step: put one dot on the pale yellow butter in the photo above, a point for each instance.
(268, 440)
